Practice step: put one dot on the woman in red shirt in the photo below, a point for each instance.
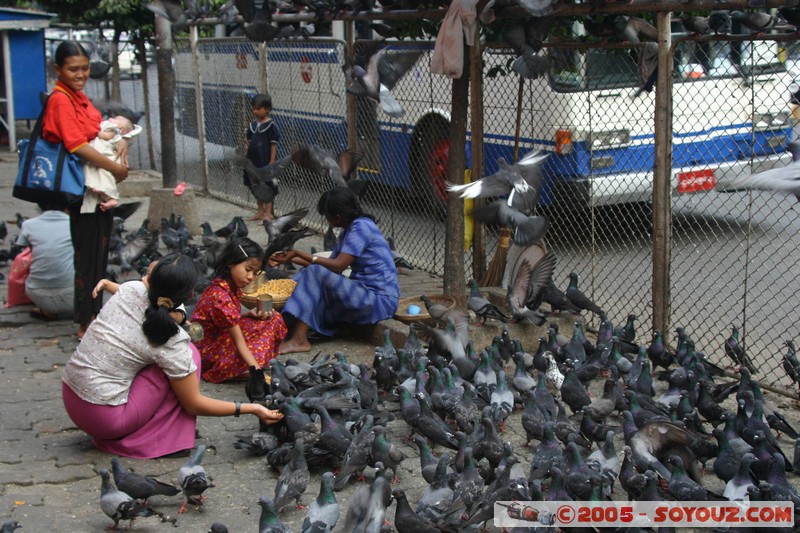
(71, 118)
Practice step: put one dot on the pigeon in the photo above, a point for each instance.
(9, 526)
(790, 15)
(293, 481)
(782, 179)
(580, 300)
(736, 352)
(258, 179)
(98, 67)
(385, 452)
(482, 307)
(323, 513)
(383, 71)
(437, 497)
(468, 487)
(405, 519)
(573, 392)
(532, 272)
(527, 229)
(367, 508)
(683, 488)
(719, 22)
(218, 527)
(317, 159)
(631, 480)
(521, 182)
(357, 455)
(557, 300)
(538, 8)
(756, 21)
(696, 25)
(529, 63)
(427, 460)
(269, 522)
(172, 11)
(433, 427)
(116, 504)
(138, 486)
(656, 439)
(791, 364)
(635, 29)
(736, 487)
(399, 260)
(193, 479)
(284, 223)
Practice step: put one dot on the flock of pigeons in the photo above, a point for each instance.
(644, 421)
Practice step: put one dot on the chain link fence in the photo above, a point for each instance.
(734, 254)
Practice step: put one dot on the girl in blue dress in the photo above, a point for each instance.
(323, 297)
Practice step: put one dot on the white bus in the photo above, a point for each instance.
(731, 114)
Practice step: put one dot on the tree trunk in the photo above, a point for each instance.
(115, 90)
(454, 281)
(166, 102)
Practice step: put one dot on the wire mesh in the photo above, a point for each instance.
(733, 254)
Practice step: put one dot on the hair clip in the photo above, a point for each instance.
(242, 249)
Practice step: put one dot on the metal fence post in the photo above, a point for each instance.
(349, 55)
(262, 67)
(198, 104)
(662, 177)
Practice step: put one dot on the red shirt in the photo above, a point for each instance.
(70, 118)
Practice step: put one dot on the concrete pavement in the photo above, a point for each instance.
(48, 467)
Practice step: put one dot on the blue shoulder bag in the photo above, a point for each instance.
(48, 173)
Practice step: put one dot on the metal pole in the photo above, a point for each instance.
(10, 118)
(198, 104)
(476, 127)
(350, 56)
(662, 178)
(262, 67)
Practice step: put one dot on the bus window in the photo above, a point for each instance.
(580, 70)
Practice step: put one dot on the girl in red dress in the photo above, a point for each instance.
(234, 342)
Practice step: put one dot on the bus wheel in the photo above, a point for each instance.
(437, 168)
(429, 156)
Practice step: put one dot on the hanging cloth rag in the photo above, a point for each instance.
(448, 53)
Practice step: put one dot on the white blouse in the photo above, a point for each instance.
(114, 349)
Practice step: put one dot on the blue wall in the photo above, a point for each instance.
(28, 73)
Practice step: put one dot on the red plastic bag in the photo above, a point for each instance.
(20, 269)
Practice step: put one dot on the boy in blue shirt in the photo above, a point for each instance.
(262, 136)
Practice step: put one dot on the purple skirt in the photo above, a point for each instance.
(152, 423)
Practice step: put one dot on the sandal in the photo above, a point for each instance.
(180, 188)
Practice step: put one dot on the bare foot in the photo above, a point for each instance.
(257, 216)
(111, 203)
(292, 346)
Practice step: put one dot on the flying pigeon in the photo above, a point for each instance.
(383, 71)
(782, 179)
